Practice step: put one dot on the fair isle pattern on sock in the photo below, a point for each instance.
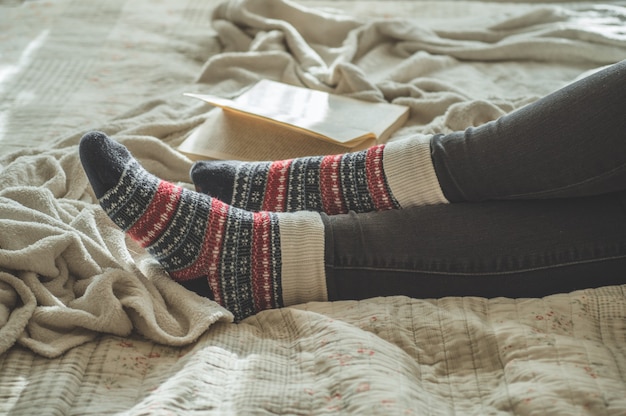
(333, 184)
(195, 236)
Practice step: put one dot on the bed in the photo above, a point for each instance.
(90, 325)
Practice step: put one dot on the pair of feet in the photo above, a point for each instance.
(252, 238)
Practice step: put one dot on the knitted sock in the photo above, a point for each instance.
(387, 176)
(245, 261)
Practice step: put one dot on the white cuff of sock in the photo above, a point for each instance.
(303, 278)
(410, 173)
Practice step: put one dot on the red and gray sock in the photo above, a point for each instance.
(390, 176)
(246, 261)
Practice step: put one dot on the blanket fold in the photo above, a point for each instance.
(310, 40)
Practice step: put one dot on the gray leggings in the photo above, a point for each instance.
(538, 206)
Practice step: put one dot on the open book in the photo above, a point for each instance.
(273, 121)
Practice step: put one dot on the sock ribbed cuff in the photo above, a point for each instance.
(411, 174)
(302, 243)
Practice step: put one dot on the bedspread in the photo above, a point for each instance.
(91, 325)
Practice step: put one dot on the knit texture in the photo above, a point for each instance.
(360, 181)
(411, 174)
(197, 238)
(333, 184)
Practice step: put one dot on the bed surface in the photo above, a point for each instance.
(90, 325)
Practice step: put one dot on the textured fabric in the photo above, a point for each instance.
(302, 245)
(195, 236)
(333, 184)
(490, 249)
(560, 355)
(198, 238)
(411, 174)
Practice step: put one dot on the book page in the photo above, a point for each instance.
(332, 117)
(226, 135)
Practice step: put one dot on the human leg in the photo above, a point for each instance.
(496, 248)
(253, 261)
(570, 143)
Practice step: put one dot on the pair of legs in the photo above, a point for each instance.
(528, 205)
(538, 206)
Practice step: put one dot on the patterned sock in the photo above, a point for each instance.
(245, 261)
(387, 176)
